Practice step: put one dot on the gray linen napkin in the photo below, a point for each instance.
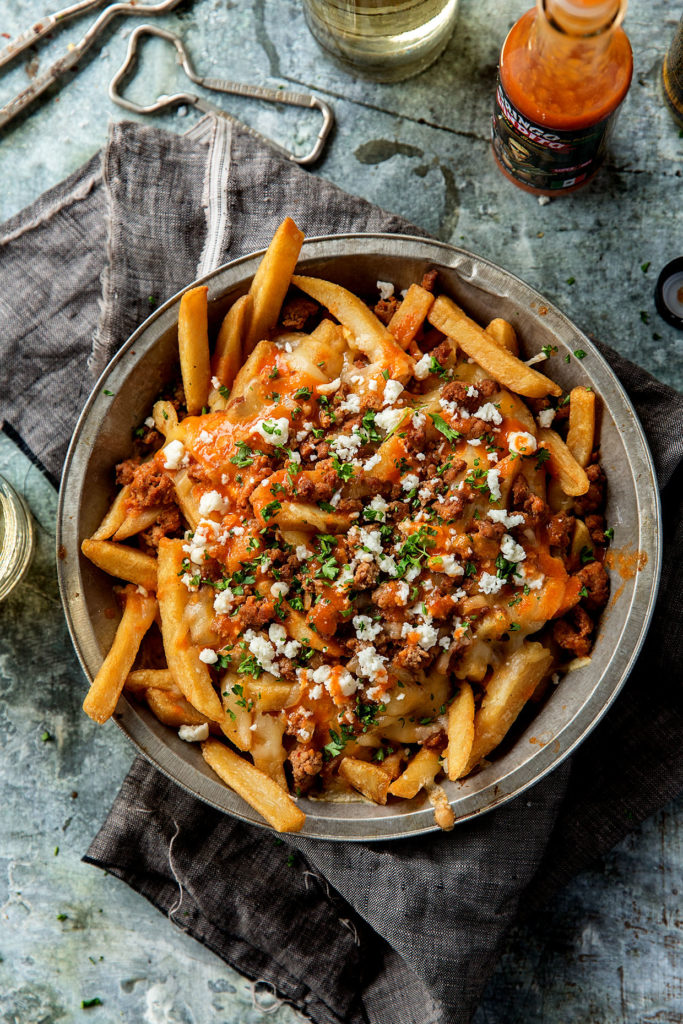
(405, 931)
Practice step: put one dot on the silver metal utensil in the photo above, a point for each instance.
(296, 99)
(74, 53)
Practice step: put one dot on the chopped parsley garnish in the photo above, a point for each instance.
(367, 713)
(302, 394)
(87, 1003)
(548, 350)
(443, 428)
(46, 737)
(586, 555)
(645, 317)
(338, 741)
(609, 533)
(325, 506)
(504, 569)
(645, 267)
(245, 457)
(274, 374)
(368, 429)
(579, 353)
(271, 509)
(571, 280)
(224, 391)
(514, 626)
(542, 456)
(107, 392)
(249, 666)
(436, 367)
(344, 470)
(470, 569)
(564, 401)
(583, 592)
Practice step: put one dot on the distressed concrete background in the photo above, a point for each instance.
(609, 948)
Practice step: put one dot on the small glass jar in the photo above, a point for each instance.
(16, 537)
(387, 40)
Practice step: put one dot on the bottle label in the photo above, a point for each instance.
(545, 158)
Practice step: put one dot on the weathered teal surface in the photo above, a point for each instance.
(609, 948)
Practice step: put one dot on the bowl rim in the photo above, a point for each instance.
(418, 821)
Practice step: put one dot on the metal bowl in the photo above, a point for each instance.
(135, 376)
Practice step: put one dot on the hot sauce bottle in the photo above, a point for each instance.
(565, 68)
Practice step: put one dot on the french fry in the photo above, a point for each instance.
(421, 771)
(123, 562)
(193, 345)
(581, 539)
(136, 522)
(114, 517)
(173, 709)
(227, 356)
(165, 418)
(460, 732)
(504, 334)
(259, 791)
(191, 674)
(562, 464)
(184, 491)
(581, 433)
(238, 718)
(508, 690)
(150, 678)
(267, 751)
(410, 315)
(369, 779)
(368, 331)
(480, 346)
(271, 282)
(138, 615)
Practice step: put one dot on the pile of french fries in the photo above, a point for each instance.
(239, 712)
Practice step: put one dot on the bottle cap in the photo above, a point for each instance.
(669, 293)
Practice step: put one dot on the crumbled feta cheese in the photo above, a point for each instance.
(273, 431)
(401, 695)
(315, 692)
(279, 589)
(493, 483)
(445, 642)
(204, 436)
(208, 656)
(522, 442)
(373, 461)
(392, 389)
(472, 392)
(492, 457)
(321, 675)
(372, 384)
(215, 383)
(450, 407)
(210, 502)
(222, 602)
(421, 370)
(346, 446)
(489, 584)
(380, 506)
(424, 494)
(412, 573)
(402, 592)
(278, 637)
(174, 455)
(489, 414)
(508, 519)
(194, 733)
(295, 457)
(365, 628)
(451, 566)
(385, 289)
(149, 422)
(335, 499)
(302, 552)
(370, 663)
(410, 481)
(350, 404)
(419, 419)
(388, 565)
(389, 419)
(427, 635)
(474, 441)
(545, 417)
(511, 550)
(262, 649)
(420, 456)
(348, 684)
(371, 540)
(186, 579)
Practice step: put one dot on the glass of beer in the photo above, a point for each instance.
(387, 40)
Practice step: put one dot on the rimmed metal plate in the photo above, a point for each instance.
(135, 376)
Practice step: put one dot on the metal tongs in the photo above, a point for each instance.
(75, 52)
(295, 99)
